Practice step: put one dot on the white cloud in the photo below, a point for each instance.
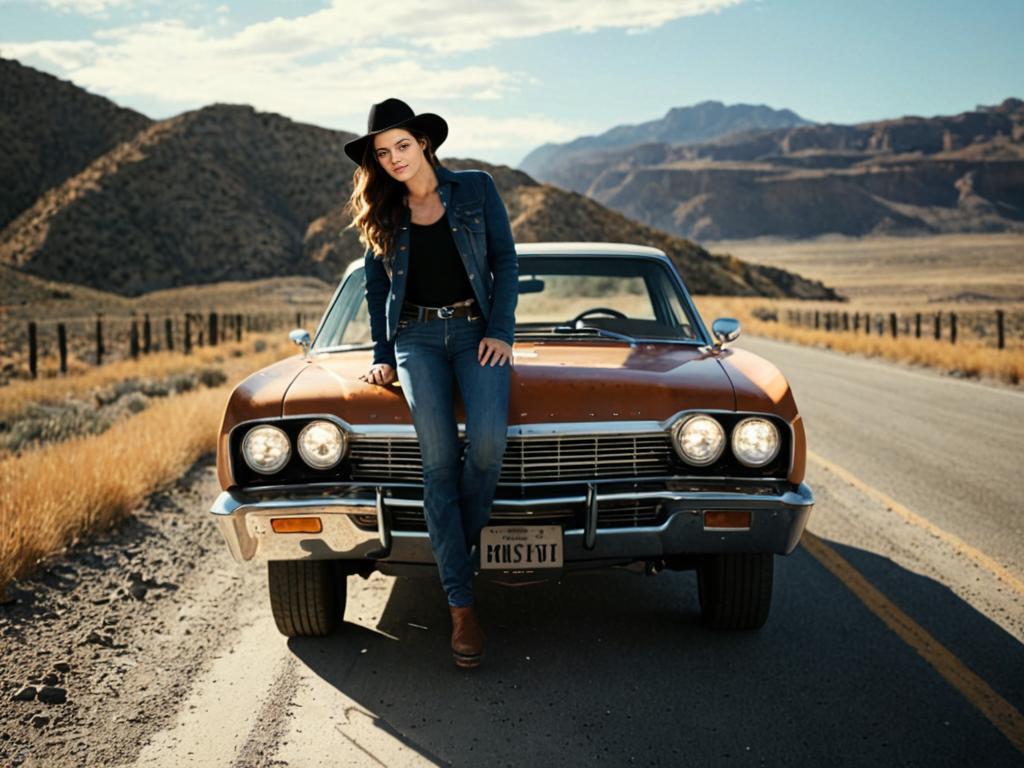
(183, 66)
(328, 66)
(454, 26)
(88, 7)
(475, 133)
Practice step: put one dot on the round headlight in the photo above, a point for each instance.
(699, 439)
(755, 442)
(266, 449)
(321, 444)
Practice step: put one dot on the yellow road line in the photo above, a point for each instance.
(997, 569)
(1001, 713)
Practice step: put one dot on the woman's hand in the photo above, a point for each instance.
(380, 373)
(494, 349)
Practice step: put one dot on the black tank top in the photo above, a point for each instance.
(437, 276)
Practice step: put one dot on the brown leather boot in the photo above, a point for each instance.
(467, 636)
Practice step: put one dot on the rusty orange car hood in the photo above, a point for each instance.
(550, 383)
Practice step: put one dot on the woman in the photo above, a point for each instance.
(441, 288)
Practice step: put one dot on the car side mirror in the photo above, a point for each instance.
(725, 329)
(301, 337)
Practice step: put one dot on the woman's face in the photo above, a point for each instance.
(399, 154)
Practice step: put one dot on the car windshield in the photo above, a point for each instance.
(619, 297)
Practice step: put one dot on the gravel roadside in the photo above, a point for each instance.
(100, 645)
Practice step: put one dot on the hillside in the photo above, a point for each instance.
(701, 122)
(963, 173)
(50, 129)
(219, 193)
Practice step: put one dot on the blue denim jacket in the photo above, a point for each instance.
(483, 238)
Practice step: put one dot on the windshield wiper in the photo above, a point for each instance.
(569, 329)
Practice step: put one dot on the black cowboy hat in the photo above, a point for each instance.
(395, 113)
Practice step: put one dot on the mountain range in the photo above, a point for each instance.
(229, 193)
(701, 122)
(907, 176)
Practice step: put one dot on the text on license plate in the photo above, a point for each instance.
(519, 547)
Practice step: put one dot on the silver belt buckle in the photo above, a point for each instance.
(446, 312)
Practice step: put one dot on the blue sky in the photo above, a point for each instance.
(509, 76)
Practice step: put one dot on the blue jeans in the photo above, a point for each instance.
(457, 489)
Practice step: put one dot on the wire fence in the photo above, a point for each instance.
(990, 327)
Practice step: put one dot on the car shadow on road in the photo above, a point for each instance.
(616, 667)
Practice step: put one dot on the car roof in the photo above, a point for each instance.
(578, 249)
(587, 249)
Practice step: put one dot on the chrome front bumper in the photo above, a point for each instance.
(777, 521)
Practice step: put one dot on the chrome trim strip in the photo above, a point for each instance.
(228, 503)
(638, 480)
(591, 506)
(625, 427)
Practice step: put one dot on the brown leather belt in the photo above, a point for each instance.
(417, 313)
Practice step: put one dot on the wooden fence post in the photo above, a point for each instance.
(892, 323)
(99, 338)
(938, 326)
(856, 322)
(169, 333)
(917, 326)
(815, 319)
(238, 327)
(33, 350)
(1000, 338)
(186, 339)
(134, 338)
(213, 329)
(147, 334)
(62, 347)
(952, 327)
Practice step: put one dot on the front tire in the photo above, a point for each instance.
(735, 589)
(305, 597)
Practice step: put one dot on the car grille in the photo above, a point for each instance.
(526, 459)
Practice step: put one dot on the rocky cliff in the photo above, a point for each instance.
(914, 175)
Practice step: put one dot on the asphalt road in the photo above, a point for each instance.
(895, 636)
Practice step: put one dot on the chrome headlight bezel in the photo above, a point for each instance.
(285, 455)
(692, 421)
(310, 459)
(736, 433)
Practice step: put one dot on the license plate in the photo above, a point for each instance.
(521, 548)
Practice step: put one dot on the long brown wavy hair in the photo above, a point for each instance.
(377, 203)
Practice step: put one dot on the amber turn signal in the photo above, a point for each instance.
(726, 518)
(296, 525)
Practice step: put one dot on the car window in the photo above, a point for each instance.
(554, 290)
(564, 296)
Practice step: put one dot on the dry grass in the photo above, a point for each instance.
(971, 357)
(971, 275)
(53, 496)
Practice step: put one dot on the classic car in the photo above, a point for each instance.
(636, 439)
